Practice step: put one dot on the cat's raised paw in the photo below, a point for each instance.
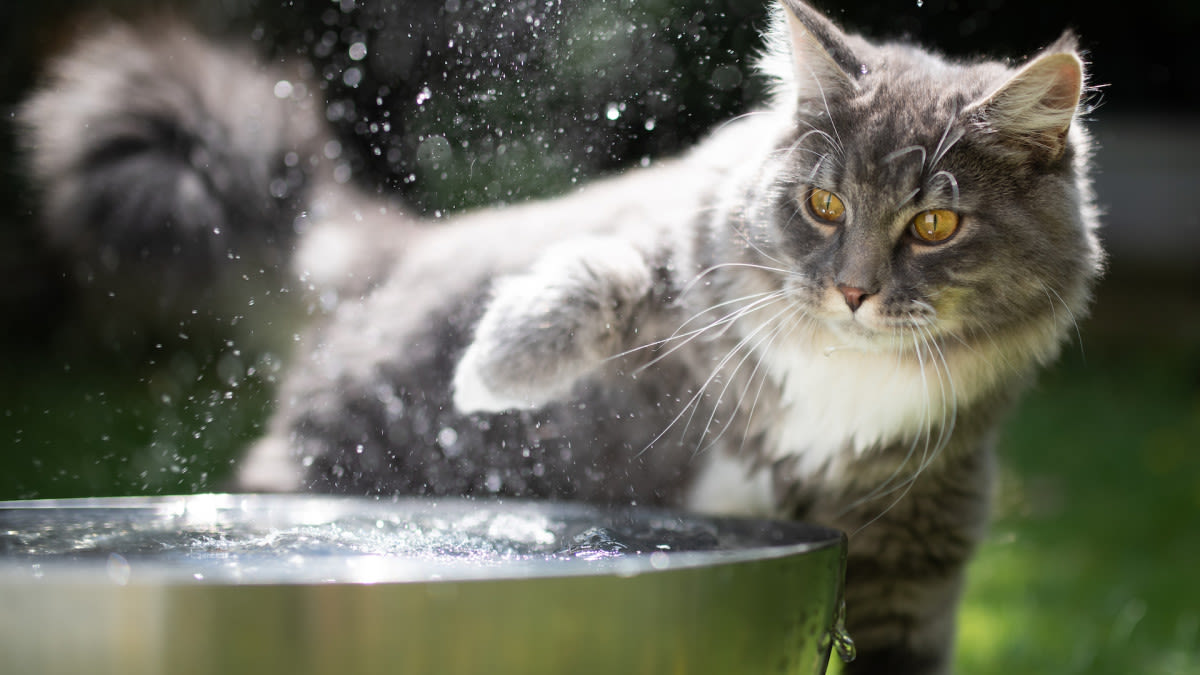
(546, 329)
(474, 394)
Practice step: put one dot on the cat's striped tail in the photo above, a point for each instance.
(170, 168)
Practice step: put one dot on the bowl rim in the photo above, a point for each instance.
(795, 538)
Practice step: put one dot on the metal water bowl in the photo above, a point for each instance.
(318, 584)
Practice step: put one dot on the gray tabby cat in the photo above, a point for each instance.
(823, 312)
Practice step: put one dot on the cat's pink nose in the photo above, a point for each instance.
(854, 296)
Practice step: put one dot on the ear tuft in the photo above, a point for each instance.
(1035, 108)
(822, 61)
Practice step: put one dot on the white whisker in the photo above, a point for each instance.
(692, 403)
(926, 307)
(886, 487)
(1070, 315)
(723, 323)
(754, 350)
(709, 270)
(751, 243)
(790, 324)
(839, 146)
(737, 118)
(911, 196)
(943, 146)
(796, 145)
(924, 343)
(720, 367)
(951, 180)
(892, 156)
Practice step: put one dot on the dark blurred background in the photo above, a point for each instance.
(460, 103)
(467, 102)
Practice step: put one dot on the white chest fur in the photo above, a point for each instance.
(835, 401)
(833, 405)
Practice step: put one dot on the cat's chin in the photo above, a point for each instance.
(857, 334)
(842, 335)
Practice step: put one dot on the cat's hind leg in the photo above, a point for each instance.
(543, 330)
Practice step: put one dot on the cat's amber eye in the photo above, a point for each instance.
(826, 205)
(935, 226)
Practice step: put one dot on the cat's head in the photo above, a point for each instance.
(918, 198)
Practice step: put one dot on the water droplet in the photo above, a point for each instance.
(842, 642)
(597, 543)
(358, 51)
(283, 89)
(920, 4)
(612, 112)
(447, 437)
(118, 569)
(433, 151)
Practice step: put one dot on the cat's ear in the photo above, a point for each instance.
(821, 58)
(1035, 108)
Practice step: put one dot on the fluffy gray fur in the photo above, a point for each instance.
(690, 334)
(177, 182)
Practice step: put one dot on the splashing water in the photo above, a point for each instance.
(242, 539)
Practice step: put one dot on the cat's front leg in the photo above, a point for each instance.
(562, 320)
(906, 565)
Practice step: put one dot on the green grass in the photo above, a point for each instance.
(1089, 568)
(96, 427)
